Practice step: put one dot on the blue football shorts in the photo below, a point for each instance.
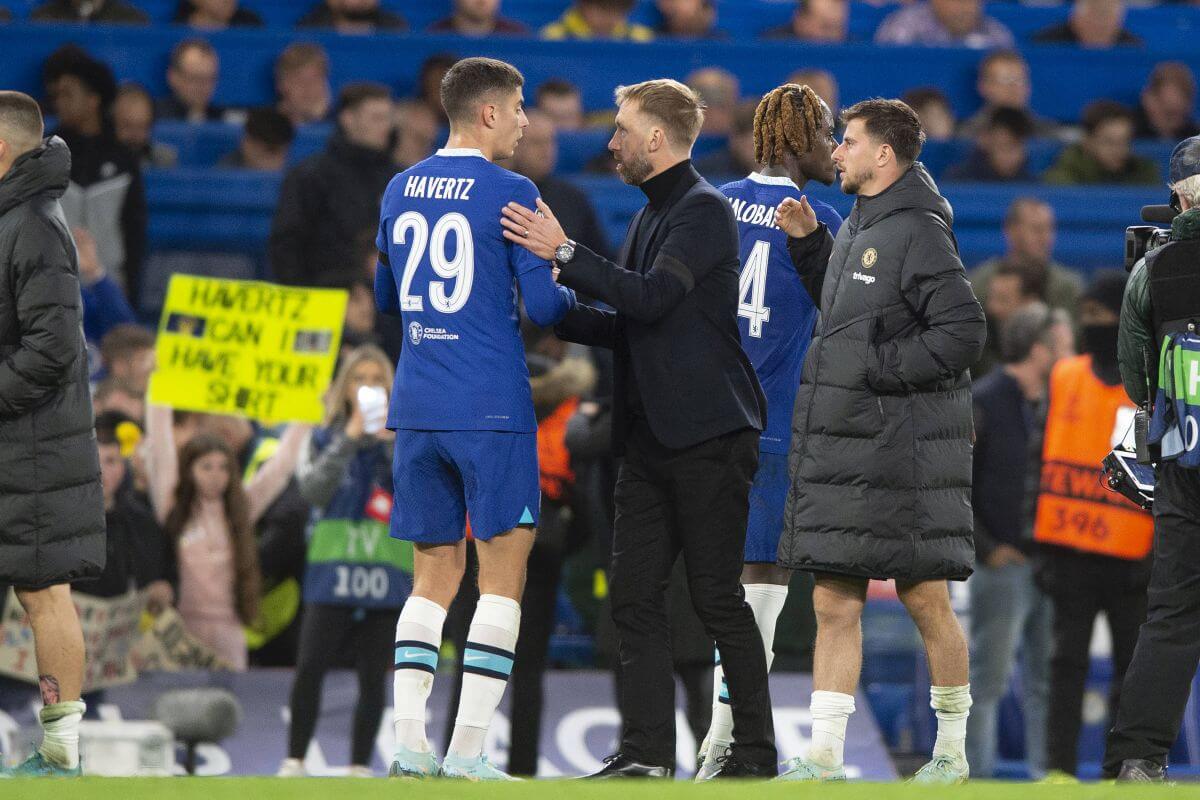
(768, 495)
(442, 476)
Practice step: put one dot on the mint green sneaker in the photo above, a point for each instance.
(942, 771)
(473, 769)
(413, 764)
(37, 766)
(800, 769)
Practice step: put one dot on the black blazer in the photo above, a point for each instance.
(675, 323)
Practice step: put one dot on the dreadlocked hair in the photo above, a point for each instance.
(788, 118)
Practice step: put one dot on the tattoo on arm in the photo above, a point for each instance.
(50, 692)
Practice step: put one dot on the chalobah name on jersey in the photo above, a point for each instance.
(438, 188)
(753, 213)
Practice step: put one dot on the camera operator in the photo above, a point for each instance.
(1162, 298)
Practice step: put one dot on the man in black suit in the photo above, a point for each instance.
(687, 414)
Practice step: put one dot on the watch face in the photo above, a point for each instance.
(564, 252)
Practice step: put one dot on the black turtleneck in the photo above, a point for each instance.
(659, 188)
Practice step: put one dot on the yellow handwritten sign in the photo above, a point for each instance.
(247, 348)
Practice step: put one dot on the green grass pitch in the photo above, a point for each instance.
(359, 789)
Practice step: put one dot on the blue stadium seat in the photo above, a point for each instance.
(1065, 80)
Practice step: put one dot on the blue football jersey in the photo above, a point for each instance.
(775, 313)
(448, 271)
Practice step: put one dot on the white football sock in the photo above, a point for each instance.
(487, 663)
(418, 640)
(766, 601)
(952, 704)
(830, 714)
(60, 733)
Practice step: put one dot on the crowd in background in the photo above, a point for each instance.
(216, 549)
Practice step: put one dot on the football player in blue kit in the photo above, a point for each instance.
(466, 440)
(794, 143)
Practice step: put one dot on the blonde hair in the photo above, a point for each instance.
(677, 106)
(788, 117)
(336, 408)
(1189, 187)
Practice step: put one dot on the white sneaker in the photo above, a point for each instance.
(292, 768)
(359, 771)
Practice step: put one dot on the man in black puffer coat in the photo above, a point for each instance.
(51, 500)
(881, 450)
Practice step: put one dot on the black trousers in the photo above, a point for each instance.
(1083, 585)
(324, 632)
(693, 501)
(1168, 647)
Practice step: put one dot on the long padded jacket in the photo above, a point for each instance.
(880, 462)
(51, 504)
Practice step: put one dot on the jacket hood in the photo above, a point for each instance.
(46, 169)
(914, 189)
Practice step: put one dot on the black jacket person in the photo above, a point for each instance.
(687, 414)
(51, 499)
(51, 507)
(882, 428)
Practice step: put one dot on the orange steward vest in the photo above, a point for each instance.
(1085, 418)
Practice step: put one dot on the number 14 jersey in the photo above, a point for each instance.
(775, 313)
(447, 270)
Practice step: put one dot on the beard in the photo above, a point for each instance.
(852, 183)
(634, 170)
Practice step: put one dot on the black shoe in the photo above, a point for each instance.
(622, 766)
(730, 766)
(1139, 770)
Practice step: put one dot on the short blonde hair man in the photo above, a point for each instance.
(676, 106)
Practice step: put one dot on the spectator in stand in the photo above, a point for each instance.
(266, 140)
(416, 136)
(302, 83)
(934, 111)
(133, 123)
(820, 81)
(345, 475)
(429, 83)
(209, 516)
(1009, 290)
(1097, 24)
(115, 11)
(817, 21)
(353, 16)
(1004, 82)
(536, 159)
(1103, 155)
(215, 15)
(1001, 152)
(560, 100)
(736, 158)
(139, 554)
(1010, 617)
(688, 19)
(106, 193)
(598, 19)
(719, 90)
(478, 18)
(104, 304)
(127, 353)
(115, 394)
(1029, 233)
(1165, 108)
(944, 23)
(328, 198)
(192, 78)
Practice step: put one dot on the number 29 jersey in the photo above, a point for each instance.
(453, 280)
(775, 313)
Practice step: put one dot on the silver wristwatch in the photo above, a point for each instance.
(565, 252)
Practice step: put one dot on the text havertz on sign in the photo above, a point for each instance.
(247, 348)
